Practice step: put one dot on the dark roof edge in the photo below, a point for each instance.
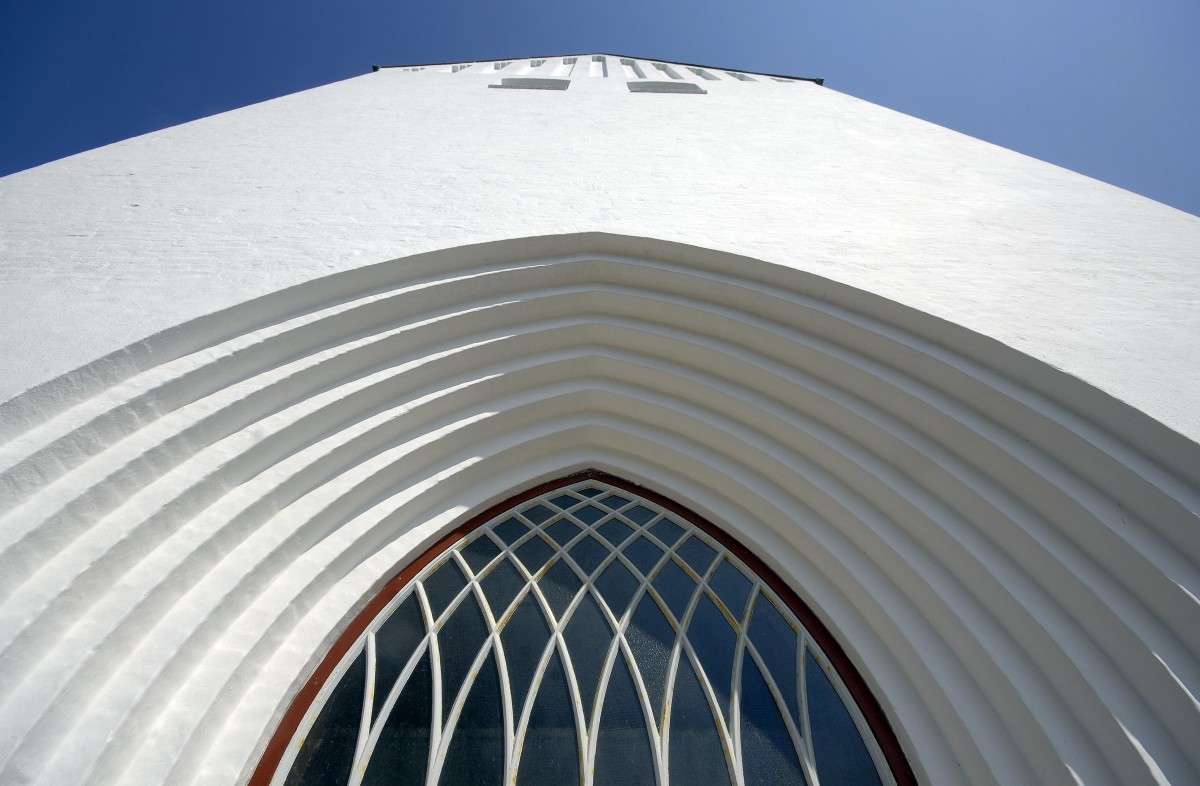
(815, 79)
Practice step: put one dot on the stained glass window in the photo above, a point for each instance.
(587, 635)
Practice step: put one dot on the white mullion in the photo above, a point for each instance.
(435, 668)
(313, 712)
(810, 755)
(677, 648)
(780, 702)
(360, 767)
(614, 648)
(364, 723)
(460, 701)
(556, 642)
(739, 658)
(489, 618)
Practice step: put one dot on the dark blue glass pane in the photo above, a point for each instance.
(480, 552)
(402, 751)
(564, 501)
(443, 586)
(667, 531)
(697, 553)
(616, 585)
(562, 531)
(524, 638)
(588, 637)
(640, 515)
(768, 755)
(840, 751)
(776, 644)
(559, 585)
(538, 513)
(714, 641)
(696, 751)
(534, 553)
(675, 586)
(590, 492)
(550, 753)
(588, 554)
(650, 639)
(500, 586)
(328, 751)
(510, 530)
(589, 514)
(476, 754)
(623, 753)
(459, 641)
(615, 531)
(732, 587)
(395, 642)
(643, 554)
(614, 502)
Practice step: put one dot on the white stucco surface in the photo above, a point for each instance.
(107, 247)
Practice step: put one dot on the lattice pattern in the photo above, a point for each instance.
(586, 636)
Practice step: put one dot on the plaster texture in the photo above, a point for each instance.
(108, 247)
(944, 391)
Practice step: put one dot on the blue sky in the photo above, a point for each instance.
(1109, 88)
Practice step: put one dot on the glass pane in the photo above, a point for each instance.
(616, 585)
(667, 531)
(402, 751)
(732, 587)
(550, 753)
(562, 531)
(640, 515)
(459, 641)
(588, 637)
(775, 641)
(590, 492)
(588, 554)
(614, 502)
(442, 587)
(480, 552)
(524, 639)
(623, 752)
(564, 501)
(394, 644)
(476, 754)
(534, 553)
(589, 514)
(510, 530)
(697, 553)
(675, 586)
(328, 751)
(559, 585)
(643, 554)
(768, 755)
(714, 642)
(500, 586)
(650, 639)
(840, 751)
(538, 514)
(696, 751)
(615, 531)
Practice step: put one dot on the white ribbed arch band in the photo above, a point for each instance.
(1008, 555)
(620, 586)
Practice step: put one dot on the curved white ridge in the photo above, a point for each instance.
(1008, 557)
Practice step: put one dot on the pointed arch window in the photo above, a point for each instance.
(585, 632)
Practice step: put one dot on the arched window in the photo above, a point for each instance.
(590, 632)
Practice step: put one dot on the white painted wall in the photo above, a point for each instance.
(1006, 552)
(110, 246)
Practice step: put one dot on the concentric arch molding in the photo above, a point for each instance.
(1008, 556)
(654, 616)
